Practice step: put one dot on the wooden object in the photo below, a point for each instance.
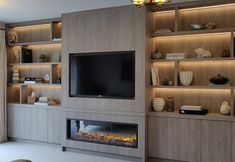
(37, 36)
(167, 135)
(40, 124)
(31, 100)
(183, 39)
(81, 36)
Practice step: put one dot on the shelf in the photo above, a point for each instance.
(194, 32)
(195, 87)
(209, 116)
(23, 84)
(195, 60)
(35, 63)
(33, 43)
(34, 106)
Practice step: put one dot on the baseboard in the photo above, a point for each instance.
(10, 139)
(131, 159)
(162, 160)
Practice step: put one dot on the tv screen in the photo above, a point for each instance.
(102, 75)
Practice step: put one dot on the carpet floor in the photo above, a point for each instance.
(39, 153)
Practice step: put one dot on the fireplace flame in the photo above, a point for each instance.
(108, 139)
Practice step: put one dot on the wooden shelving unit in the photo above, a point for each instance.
(184, 40)
(42, 37)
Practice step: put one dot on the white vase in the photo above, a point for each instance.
(186, 77)
(158, 104)
(225, 108)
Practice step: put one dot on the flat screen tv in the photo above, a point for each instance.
(102, 75)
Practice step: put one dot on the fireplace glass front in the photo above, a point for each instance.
(109, 133)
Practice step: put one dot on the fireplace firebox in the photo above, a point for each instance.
(109, 133)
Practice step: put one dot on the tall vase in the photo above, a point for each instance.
(186, 78)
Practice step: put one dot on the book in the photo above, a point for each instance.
(41, 103)
(154, 76)
(191, 107)
(190, 112)
(171, 56)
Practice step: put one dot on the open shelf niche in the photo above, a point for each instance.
(182, 39)
(41, 38)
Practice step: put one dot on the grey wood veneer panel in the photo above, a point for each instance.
(160, 137)
(112, 29)
(177, 139)
(20, 123)
(54, 129)
(39, 124)
(186, 140)
(216, 141)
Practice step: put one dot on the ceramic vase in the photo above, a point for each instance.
(225, 108)
(15, 75)
(158, 104)
(186, 77)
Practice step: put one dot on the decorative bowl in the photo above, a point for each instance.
(186, 77)
(220, 80)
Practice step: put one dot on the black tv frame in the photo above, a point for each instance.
(102, 53)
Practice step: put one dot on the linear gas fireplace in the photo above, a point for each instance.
(109, 133)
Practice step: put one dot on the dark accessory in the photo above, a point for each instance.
(170, 104)
(219, 80)
(190, 112)
(165, 82)
(27, 55)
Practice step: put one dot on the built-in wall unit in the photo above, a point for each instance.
(115, 82)
(195, 49)
(34, 80)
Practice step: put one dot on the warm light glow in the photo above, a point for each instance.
(42, 26)
(193, 91)
(209, 7)
(165, 12)
(49, 46)
(195, 35)
(46, 86)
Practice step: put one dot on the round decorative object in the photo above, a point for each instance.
(12, 37)
(157, 55)
(225, 108)
(15, 75)
(158, 104)
(197, 26)
(46, 78)
(186, 77)
(219, 80)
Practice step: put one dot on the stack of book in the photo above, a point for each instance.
(33, 81)
(193, 110)
(175, 56)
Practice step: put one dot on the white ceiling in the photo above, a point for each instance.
(26, 10)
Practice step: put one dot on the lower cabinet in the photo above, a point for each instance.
(20, 123)
(177, 139)
(37, 124)
(216, 141)
(190, 140)
(54, 126)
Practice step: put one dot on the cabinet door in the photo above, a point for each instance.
(39, 124)
(54, 126)
(160, 137)
(216, 141)
(171, 138)
(186, 140)
(19, 123)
